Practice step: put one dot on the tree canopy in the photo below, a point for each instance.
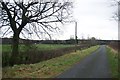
(33, 17)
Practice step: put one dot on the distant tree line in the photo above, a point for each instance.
(69, 41)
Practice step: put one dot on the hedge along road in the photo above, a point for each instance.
(93, 66)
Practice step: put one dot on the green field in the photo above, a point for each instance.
(41, 47)
(33, 53)
(52, 46)
(49, 68)
(113, 61)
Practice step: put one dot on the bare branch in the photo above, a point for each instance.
(6, 32)
(41, 15)
(23, 34)
(35, 30)
(46, 31)
(31, 4)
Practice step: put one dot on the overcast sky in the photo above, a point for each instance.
(94, 18)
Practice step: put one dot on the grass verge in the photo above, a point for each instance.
(49, 68)
(113, 61)
(0, 62)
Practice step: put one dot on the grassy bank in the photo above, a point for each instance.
(31, 54)
(49, 68)
(113, 61)
(0, 62)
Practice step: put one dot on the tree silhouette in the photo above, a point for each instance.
(117, 13)
(118, 10)
(32, 16)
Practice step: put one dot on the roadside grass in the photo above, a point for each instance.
(113, 61)
(0, 48)
(0, 61)
(49, 68)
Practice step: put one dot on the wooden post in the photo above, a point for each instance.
(75, 36)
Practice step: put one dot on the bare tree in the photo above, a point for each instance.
(117, 13)
(118, 10)
(32, 17)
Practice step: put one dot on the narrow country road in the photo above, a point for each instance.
(93, 66)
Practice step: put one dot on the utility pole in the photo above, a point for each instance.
(75, 36)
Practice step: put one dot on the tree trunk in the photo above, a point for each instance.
(15, 49)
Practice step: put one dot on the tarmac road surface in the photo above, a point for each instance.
(93, 66)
